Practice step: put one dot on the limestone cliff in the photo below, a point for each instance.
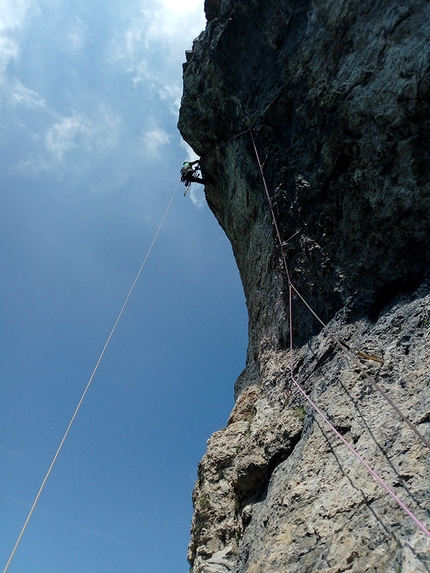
(337, 93)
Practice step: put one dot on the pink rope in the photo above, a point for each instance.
(332, 336)
(296, 383)
(368, 377)
(363, 461)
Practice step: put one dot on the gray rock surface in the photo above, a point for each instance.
(337, 93)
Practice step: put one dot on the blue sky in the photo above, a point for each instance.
(89, 157)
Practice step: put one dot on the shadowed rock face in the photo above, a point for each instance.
(337, 93)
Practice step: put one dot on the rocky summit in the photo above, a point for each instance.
(312, 121)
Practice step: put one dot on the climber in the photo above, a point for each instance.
(190, 173)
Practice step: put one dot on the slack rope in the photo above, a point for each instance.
(66, 433)
(381, 482)
(399, 502)
(368, 377)
(332, 336)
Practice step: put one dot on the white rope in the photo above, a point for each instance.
(57, 453)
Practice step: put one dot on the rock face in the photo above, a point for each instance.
(337, 94)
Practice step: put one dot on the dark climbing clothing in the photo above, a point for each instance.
(190, 173)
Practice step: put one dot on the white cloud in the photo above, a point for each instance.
(12, 13)
(95, 134)
(197, 195)
(59, 125)
(183, 6)
(9, 50)
(12, 17)
(172, 94)
(63, 135)
(190, 153)
(154, 139)
(168, 20)
(25, 96)
(156, 40)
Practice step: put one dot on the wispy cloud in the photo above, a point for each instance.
(197, 195)
(154, 41)
(9, 50)
(96, 133)
(167, 19)
(67, 131)
(172, 94)
(189, 151)
(12, 13)
(22, 95)
(12, 18)
(154, 139)
(63, 136)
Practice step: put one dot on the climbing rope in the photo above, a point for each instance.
(66, 433)
(362, 460)
(338, 342)
(291, 288)
(370, 379)
(341, 345)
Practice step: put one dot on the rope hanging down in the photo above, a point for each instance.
(298, 385)
(341, 345)
(357, 363)
(66, 433)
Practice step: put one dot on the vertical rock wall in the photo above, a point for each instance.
(337, 93)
